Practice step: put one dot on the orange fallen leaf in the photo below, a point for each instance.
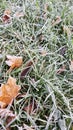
(8, 92)
(7, 12)
(71, 65)
(13, 61)
(6, 17)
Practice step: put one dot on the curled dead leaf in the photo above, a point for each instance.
(13, 61)
(26, 69)
(8, 92)
(7, 12)
(6, 17)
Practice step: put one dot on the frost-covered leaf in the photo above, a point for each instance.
(8, 92)
(14, 61)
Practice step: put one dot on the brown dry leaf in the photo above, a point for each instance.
(8, 92)
(57, 21)
(29, 63)
(26, 127)
(60, 70)
(8, 121)
(30, 108)
(71, 65)
(7, 12)
(13, 61)
(6, 17)
(67, 30)
(26, 69)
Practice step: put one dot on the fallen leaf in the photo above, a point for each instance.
(24, 72)
(30, 108)
(6, 17)
(71, 65)
(8, 92)
(13, 61)
(9, 120)
(26, 69)
(67, 30)
(7, 12)
(29, 63)
(60, 70)
(57, 21)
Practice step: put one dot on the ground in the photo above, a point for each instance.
(41, 32)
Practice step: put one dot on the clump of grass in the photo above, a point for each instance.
(26, 37)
